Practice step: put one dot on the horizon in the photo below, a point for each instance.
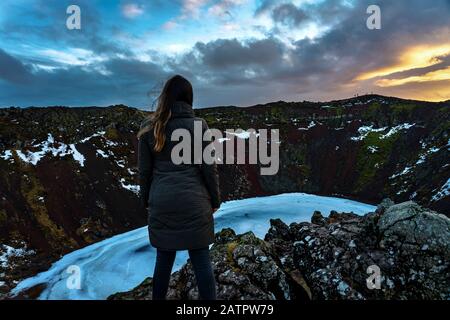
(235, 52)
(150, 109)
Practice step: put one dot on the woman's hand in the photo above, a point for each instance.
(214, 210)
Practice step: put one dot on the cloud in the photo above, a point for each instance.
(438, 75)
(223, 8)
(289, 14)
(170, 25)
(126, 81)
(222, 54)
(264, 6)
(12, 69)
(412, 58)
(191, 8)
(132, 10)
(71, 56)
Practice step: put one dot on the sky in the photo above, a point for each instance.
(235, 52)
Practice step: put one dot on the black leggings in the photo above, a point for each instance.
(202, 268)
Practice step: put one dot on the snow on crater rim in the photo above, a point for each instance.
(364, 131)
(50, 146)
(53, 147)
(394, 130)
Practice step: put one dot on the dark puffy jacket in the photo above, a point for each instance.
(180, 197)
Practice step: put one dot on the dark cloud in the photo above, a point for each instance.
(290, 15)
(228, 53)
(127, 81)
(12, 69)
(324, 12)
(39, 22)
(231, 62)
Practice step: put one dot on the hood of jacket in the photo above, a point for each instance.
(181, 109)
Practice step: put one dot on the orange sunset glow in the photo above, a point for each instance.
(417, 65)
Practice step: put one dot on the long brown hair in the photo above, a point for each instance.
(176, 88)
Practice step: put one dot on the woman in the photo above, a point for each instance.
(182, 198)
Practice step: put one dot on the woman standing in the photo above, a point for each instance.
(182, 198)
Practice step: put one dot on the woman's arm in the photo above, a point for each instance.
(211, 177)
(145, 164)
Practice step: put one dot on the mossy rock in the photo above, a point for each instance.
(112, 133)
(369, 163)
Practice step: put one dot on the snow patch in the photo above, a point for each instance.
(7, 155)
(423, 156)
(50, 146)
(421, 159)
(405, 171)
(10, 252)
(221, 140)
(131, 187)
(364, 132)
(394, 130)
(110, 143)
(372, 149)
(242, 135)
(120, 163)
(101, 153)
(443, 192)
(77, 156)
(97, 134)
(310, 125)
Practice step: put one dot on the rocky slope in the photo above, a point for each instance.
(66, 181)
(68, 175)
(329, 258)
